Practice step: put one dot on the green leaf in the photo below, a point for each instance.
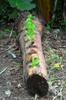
(22, 4)
(63, 23)
(35, 61)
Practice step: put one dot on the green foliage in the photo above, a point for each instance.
(35, 62)
(13, 14)
(6, 12)
(52, 80)
(22, 4)
(53, 59)
(57, 66)
(63, 22)
(5, 32)
(9, 9)
(29, 27)
(50, 24)
(53, 56)
(64, 85)
(48, 27)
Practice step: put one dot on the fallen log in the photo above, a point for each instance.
(34, 68)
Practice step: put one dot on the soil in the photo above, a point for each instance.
(12, 86)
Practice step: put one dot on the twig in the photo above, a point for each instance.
(59, 94)
(10, 34)
(3, 70)
(36, 97)
(12, 54)
(7, 49)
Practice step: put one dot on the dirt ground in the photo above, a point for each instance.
(11, 77)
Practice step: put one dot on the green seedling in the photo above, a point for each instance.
(35, 62)
(29, 27)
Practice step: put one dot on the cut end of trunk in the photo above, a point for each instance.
(37, 84)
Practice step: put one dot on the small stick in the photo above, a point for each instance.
(3, 70)
(9, 39)
(10, 34)
(36, 97)
(7, 49)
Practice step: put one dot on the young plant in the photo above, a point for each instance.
(53, 59)
(57, 66)
(29, 27)
(35, 62)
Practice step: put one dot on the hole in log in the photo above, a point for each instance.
(37, 84)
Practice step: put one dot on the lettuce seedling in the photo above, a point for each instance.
(29, 27)
(35, 62)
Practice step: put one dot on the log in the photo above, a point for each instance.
(35, 76)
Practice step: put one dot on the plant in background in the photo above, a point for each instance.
(29, 27)
(57, 15)
(52, 80)
(5, 32)
(53, 59)
(57, 66)
(22, 4)
(63, 23)
(48, 26)
(7, 13)
(9, 8)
